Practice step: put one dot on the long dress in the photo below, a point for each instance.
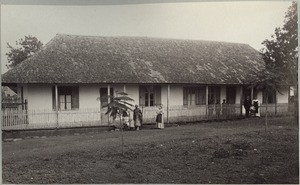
(126, 118)
(159, 119)
(256, 105)
(137, 117)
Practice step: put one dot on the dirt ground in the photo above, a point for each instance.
(215, 152)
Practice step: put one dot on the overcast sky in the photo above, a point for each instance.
(241, 22)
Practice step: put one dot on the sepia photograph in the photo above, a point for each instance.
(149, 92)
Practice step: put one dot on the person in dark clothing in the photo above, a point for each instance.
(159, 118)
(218, 109)
(247, 105)
(137, 117)
(224, 109)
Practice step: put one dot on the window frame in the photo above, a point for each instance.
(65, 92)
(271, 99)
(150, 95)
(194, 95)
(103, 94)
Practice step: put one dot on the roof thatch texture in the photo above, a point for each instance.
(93, 59)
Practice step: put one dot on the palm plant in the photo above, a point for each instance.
(115, 108)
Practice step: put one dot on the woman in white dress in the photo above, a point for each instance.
(256, 104)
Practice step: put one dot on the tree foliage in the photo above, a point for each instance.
(117, 104)
(115, 108)
(281, 51)
(24, 48)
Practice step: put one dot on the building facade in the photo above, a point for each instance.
(63, 82)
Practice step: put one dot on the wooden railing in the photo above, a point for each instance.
(39, 119)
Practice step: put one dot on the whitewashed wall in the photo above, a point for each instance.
(40, 113)
(38, 96)
(176, 95)
(88, 95)
(284, 97)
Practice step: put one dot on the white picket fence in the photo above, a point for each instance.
(38, 119)
(13, 119)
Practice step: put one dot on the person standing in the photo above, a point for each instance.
(137, 117)
(159, 118)
(247, 105)
(125, 116)
(224, 109)
(256, 104)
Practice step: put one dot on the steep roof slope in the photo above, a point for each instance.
(93, 59)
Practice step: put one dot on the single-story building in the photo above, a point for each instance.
(62, 82)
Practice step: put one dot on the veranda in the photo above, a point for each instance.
(19, 119)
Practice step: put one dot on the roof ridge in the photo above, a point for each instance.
(147, 37)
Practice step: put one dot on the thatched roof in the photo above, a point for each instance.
(93, 59)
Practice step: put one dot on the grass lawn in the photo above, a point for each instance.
(216, 152)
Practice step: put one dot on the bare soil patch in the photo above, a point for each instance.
(216, 152)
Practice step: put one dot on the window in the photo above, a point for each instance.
(68, 97)
(194, 96)
(103, 93)
(150, 96)
(213, 94)
(271, 97)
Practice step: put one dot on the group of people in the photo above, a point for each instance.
(136, 124)
(252, 107)
(221, 109)
(137, 119)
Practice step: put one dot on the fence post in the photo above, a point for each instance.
(206, 101)
(22, 98)
(26, 112)
(168, 103)
(108, 101)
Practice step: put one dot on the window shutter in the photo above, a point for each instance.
(75, 97)
(203, 96)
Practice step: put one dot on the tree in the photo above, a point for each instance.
(115, 108)
(267, 81)
(28, 46)
(281, 53)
